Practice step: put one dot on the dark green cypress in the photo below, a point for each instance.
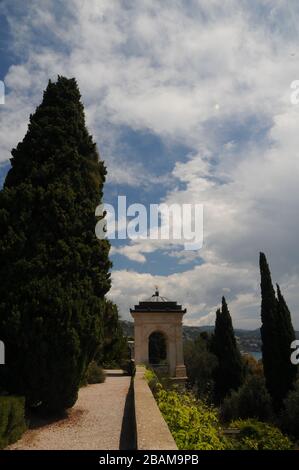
(54, 272)
(229, 373)
(288, 335)
(114, 351)
(277, 333)
(269, 329)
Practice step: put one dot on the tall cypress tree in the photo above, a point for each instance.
(277, 333)
(114, 350)
(229, 373)
(54, 272)
(269, 329)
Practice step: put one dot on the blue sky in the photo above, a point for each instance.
(189, 102)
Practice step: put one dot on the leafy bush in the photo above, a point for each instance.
(114, 352)
(255, 435)
(12, 419)
(252, 366)
(152, 380)
(290, 415)
(200, 364)
(95, 374)
(193, 424)
(252, 400)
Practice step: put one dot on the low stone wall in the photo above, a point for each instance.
(152, 432)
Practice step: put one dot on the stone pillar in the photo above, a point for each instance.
(141, 343)
(172, 356)
(180, 370)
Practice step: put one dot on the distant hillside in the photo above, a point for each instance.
(190, 332)
(249, 340)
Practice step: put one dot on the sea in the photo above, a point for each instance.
(256, 354)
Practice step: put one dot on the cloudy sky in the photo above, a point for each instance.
(189, 102)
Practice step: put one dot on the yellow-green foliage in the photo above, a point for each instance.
(257, 435)
(193, 424)
(149, 375)
(151, 379)
(12, 420)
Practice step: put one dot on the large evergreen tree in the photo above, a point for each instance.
(200, 365)
(113, 352)
(229, 373)
(53, 270)
(277, 333)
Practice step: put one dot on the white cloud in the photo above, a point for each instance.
(189, 72)
(199, 289)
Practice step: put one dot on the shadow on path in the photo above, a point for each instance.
(115, 373)
(36, 419)
(128, 428)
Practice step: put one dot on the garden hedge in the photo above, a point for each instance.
(12, 419)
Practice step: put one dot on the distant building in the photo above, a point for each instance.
(158, 334)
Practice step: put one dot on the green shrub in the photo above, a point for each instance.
(95, 374)
(193, 424)
(12, 419)
(201, 365)
(152, 380)
(252, 400)
(149, 375)
(290, 415)
(114, 351)
(255, 435)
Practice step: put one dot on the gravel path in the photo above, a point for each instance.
(94, 423)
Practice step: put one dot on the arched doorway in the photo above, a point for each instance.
(157, 348)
